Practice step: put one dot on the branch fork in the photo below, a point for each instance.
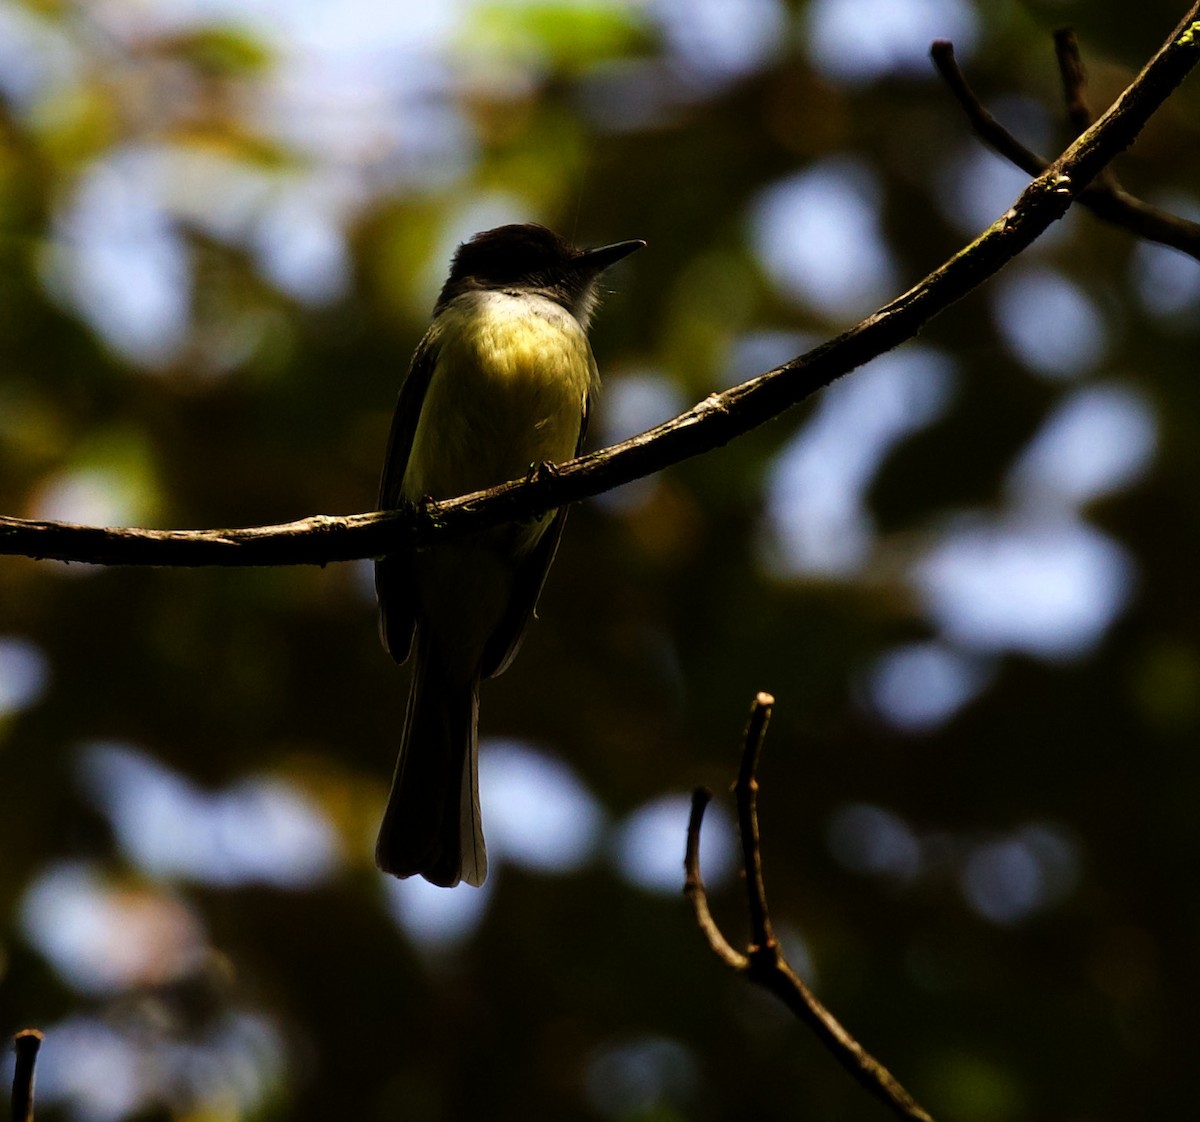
(763, 962)
(1104, 196)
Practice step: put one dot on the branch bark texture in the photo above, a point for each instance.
(708, 425)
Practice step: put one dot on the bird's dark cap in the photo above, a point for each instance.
(512, 253)
(529, 256)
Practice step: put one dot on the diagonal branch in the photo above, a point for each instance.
(1105, 198)
(710, 424)
(763, 963)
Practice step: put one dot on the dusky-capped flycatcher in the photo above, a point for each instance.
(500, 383)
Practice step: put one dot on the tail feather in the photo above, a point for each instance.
(432, 824)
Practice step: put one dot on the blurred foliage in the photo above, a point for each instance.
(580, 995)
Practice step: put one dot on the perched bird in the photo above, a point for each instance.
(499, 384)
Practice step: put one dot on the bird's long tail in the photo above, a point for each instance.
(432, 824)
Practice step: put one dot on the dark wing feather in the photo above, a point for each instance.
(503, 644)
(393, 573)
(505, 641)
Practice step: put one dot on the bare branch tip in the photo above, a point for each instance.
(28, 1041)
(756, 731)
(25, 1044)
(1074, 78)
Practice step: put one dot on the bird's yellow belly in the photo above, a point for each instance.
(508, 392)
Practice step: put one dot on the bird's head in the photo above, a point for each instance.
(530, 258)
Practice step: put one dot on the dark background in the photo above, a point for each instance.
(221, 240)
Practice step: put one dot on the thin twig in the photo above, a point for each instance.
(1105, 198)
(25, 1044)
(693, 886)
(1079, 112)
(1074, 79)
(713, 422)
(746, 796)
(986, 127)
(764, 963)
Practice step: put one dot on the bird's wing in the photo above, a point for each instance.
(503, 644)
(393, 573)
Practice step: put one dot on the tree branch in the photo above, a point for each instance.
(763, 962)
(25, 1044)
(708, 425)
(1105, 198)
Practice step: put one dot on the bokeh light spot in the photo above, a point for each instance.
(759, 351)
(24, 674)
(1050, 588)
(634, 402)
(36, 58)
(1168, 282)
(630, 404)
(639, 1077)
(91, 496)
(1102, 438)
(539, 815)
(260, 830)
(718, 40)
(121, 259)
(920, 686)
(650, 845)
(860, 40)
(816, 491)
(1010, 879)
(107, 1069)
(1049, 323)
(873, 840)
(819, 237)
(437, 919)
(104, 939)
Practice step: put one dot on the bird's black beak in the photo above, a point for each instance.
(597, 260)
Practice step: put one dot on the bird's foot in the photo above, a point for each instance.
(539, 475)
(425, 509)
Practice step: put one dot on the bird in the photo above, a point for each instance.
(500, 384)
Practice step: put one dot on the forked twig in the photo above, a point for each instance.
(25, 1044)
(1104, 197)
(763, 963)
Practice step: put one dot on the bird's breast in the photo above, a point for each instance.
(508, 390)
